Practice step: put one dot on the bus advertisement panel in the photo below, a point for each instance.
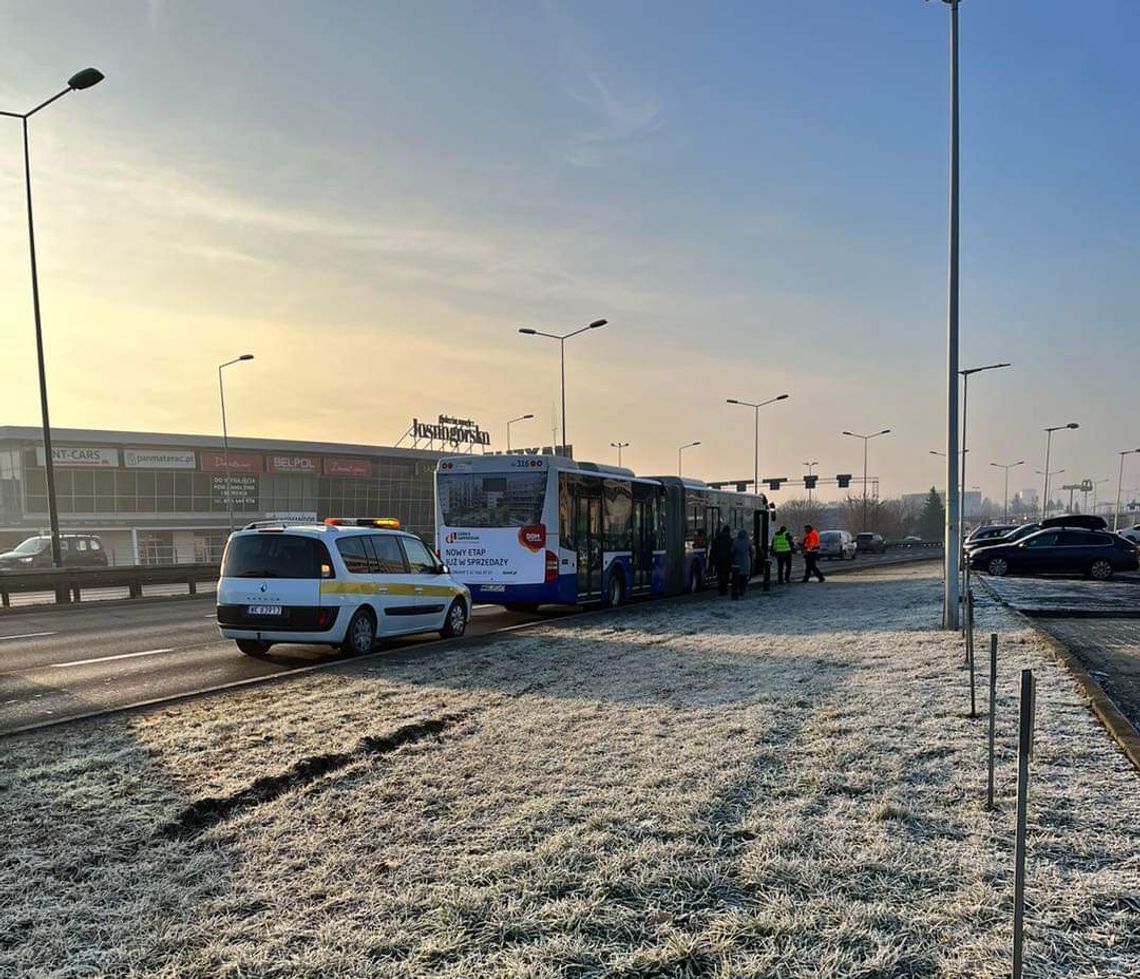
(491, 522)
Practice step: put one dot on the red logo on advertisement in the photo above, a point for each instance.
(533, 538)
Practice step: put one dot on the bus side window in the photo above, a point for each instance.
(565, 512)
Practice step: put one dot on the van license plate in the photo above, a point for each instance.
(494, 588)
(263, 610)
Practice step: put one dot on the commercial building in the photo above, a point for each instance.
(158, 498)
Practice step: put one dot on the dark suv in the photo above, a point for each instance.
(868, 543)
(34, 554)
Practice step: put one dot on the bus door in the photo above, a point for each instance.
(712, 528)
(644, 538)
(588, 538)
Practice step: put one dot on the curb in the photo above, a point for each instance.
(1119, 728)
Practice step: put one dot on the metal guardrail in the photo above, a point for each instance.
(69, 583)
(914, 545)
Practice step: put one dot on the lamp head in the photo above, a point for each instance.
(732, 401)
(527, 330)
(246, 357)
(781, 397)
(597, 323)
(1072, 425)
(524, 417)
(85, 79)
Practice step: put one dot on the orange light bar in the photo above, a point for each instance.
(389, 523)
(334, 522)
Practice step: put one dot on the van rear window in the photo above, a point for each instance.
(274, 556)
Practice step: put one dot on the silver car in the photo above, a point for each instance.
(837, 544)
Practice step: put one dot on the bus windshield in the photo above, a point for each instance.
(491, 499)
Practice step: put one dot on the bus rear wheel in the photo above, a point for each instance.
(615, 591)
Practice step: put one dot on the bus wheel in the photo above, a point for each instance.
(615, 590)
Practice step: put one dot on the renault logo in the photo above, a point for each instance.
(264, 588)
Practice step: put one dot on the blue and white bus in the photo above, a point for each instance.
(529, 530)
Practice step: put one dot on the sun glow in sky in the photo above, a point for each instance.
(373, 197)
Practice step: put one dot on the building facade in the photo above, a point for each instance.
(161, 498)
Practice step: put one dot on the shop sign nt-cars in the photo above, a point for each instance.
(508, 555)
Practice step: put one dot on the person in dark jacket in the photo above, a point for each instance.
(741, 563)
(721, 558)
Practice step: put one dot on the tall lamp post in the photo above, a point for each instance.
(510, 422)
(680, 450)
(866, 439)
(966, 374)
(226, 434)
(619, 446)
(1048, 446)
(76, 83)
(756, 406)
(562, 338)
(952, 529)
(810, 466)
(1007, 466)
(1120, 486)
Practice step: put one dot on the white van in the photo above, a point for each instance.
(343, 583)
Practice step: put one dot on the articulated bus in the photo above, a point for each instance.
(530, 530)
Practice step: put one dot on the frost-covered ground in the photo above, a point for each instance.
(785, 786)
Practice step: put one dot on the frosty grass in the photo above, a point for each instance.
(783, 786)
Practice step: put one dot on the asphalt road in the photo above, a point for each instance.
(65, 663)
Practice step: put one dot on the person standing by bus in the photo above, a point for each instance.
(811, 554)
(782, 548)
(741, 563)
(721, 558)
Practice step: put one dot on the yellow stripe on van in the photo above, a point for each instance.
(390, 588)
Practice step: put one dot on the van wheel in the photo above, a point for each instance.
(361, 634)
(456, 622)
(1101, 570)
(253, 647)
(615, 591)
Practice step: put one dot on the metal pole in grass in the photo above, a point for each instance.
(1024, 754)
(993, 711)
(970, 650)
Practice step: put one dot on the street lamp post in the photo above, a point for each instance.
(77, 82)
(562, 338)
(1007, 466)
(1119, 487)
(1048, 447)
(226, 434)
(811, 466)
(756, 406)
(510, 422)
(965, 401)
(619, 446)
(680, 450)
(866, 439)
(952, 532)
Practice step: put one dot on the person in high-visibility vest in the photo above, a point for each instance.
(811, 554)
(782, 548)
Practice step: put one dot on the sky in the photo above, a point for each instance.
(372, 197)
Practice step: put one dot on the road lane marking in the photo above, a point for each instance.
(107, 659)
(29, 635)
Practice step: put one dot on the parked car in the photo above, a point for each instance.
(870, 544)
(1131, 533)
(1082, 521)
(989, 532)
(1060, 550)
(912, 537)
(347, 582)
(34, 554)
(837, 544)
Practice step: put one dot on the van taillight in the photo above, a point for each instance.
(551, 567)
(327, 571)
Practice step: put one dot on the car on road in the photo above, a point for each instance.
(1082, 521)
(837, 544)
(34, 554)
(1060, 550)
(870, 544)
(344, 583)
